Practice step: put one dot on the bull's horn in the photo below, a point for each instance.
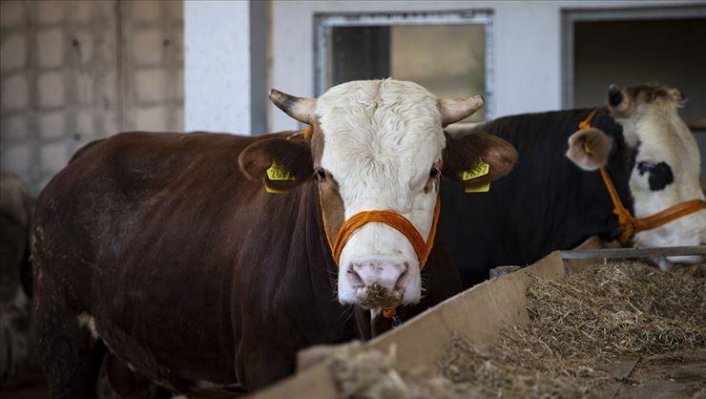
(301, 109)
(456, 109)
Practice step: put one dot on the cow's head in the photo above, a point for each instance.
(666, 165)
(378, 145)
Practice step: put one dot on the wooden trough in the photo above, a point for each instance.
(479, 313)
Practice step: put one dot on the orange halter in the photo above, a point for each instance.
(393, 219)
(422, 248)
(630, 224)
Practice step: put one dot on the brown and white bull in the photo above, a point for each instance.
(167, 250)
(667, 165)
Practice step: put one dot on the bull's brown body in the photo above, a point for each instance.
(187, 271)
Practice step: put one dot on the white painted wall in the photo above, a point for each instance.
(217, 66)
(527, 46)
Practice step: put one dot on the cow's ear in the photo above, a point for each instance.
(477, 159)
(589, 148)
(280, 163)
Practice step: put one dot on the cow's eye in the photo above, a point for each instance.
(320, 174)
(434, 172)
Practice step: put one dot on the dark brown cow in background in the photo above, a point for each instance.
(16, 335)
(167, 250)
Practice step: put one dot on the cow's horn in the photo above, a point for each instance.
(301, 109)
(456, 109)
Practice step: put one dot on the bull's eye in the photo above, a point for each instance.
(434, 172)
(320, 174)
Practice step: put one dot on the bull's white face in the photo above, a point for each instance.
(377, 146)
(667, 164)
(382, 140)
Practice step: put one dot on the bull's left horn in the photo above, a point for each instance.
(301, 109)
(456, 109)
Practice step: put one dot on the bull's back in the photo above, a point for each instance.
(133, 229)
(114, 189)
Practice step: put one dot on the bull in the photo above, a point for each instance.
(166, 251)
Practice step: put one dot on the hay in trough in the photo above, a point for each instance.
(368, 375)
(580, 328)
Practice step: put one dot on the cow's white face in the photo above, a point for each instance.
(667, 163)
(382, 141)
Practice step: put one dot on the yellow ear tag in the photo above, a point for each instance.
(587, 147)
(483, 188)
(276, 172)
(481, 168)
(273, 190)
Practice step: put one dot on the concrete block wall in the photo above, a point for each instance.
(76, 71)
(152, 65)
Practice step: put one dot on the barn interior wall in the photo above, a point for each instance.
(226, 66)
(666, 51)
(526, 37)
(76, 71)
(526, 45)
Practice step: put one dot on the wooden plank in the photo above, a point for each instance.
(314, 382)
(478, 313)
(627, 253)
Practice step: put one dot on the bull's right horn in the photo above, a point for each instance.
(301, 109)
(456, 109)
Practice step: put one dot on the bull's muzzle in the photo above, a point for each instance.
(378, 284)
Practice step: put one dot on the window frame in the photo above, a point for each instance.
(570, 16)
(325, 22)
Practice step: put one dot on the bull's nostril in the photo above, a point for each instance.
(399, 284)
(355, 279)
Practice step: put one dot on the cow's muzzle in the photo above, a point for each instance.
(378, 284)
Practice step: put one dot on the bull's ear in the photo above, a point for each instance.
(280, 163)
(589, 148)
(477, 159)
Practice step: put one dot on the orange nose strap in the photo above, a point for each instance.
(393, 219)
(632, 225)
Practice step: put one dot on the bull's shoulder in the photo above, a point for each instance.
(139, 164)
(143, 151)
(514, 127)
(158, 144)
(547, 123)
(143, 163)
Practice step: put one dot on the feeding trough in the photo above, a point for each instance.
(589, 322)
